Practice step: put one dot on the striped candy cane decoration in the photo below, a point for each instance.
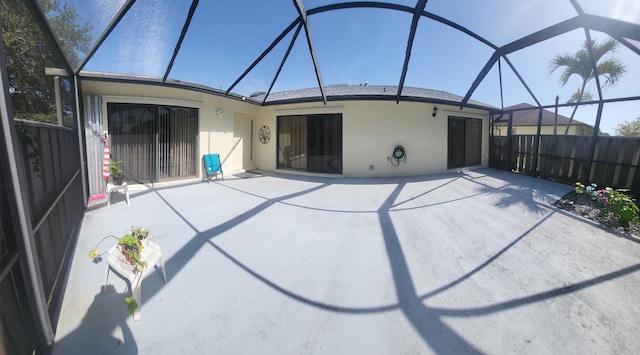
(105, 161)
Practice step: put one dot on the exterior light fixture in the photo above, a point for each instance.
(219, 112)
(435, 111)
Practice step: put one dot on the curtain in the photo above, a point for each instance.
(292, 142)
(155, 142)
(178, 147)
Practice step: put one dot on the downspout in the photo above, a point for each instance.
(16, 191)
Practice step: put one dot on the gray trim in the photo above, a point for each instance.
(264, 54)
(114, 22)
(187, 22)
(307, 30)
(284, 59)
(81, 146)
(412, 35)
(524, 83)
(178, 84)
(614, 28)
(370, 92)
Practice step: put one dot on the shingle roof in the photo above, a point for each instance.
(333, 92)
(367, 92)
(527, 115)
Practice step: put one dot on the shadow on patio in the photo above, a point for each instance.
(290, 264)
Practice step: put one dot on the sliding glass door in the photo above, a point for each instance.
(310, 143)
(155, 142)
(464, 142)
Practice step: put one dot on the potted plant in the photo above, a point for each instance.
(115, 172)
(130, 245)
(140, 233)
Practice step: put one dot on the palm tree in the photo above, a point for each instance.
(580, 64)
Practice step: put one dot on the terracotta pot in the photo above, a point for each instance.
(125, 252)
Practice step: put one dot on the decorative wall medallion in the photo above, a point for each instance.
(264, 134)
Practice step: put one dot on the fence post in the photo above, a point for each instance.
(510, 142)
(536, 145)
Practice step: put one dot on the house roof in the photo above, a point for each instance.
(367, 92)
(527, 115)
(333, 92)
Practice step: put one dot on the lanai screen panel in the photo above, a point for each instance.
(239, 46)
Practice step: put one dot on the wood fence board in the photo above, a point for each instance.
(622, 153)
(563, 161)
(616, 160)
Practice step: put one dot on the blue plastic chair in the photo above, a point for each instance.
(212, 165)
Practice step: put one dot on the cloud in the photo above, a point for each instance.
(626, 10)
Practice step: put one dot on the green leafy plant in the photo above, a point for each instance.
(132, 305)
(139, 232)
(622, 205)
(115, 171)
(96, 255)
(131, 246)
(611, 201)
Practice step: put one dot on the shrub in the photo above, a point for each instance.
(612, 201)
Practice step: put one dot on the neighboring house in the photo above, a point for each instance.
(525, 122)
(353, 135)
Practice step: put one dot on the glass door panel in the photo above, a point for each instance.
(154, 142)
(325, 144)
(473, 133)
(456, 146)
(292, 142)
(464, 142)
(310, 143)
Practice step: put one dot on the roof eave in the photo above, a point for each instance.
(337, 98)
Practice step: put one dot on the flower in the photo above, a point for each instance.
(93, 254)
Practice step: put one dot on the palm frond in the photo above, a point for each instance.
(580, 97)
(580, 63)
(602, 49)
(612, 69)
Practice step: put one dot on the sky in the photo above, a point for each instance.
(354, 46)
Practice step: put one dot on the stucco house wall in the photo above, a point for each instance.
(371, 129)
(216, 134)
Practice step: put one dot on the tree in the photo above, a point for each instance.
(28, 53)
(629, 129)
(73, 37)
(580, 64)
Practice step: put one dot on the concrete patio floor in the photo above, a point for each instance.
(470, 262)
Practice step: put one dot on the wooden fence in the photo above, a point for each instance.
(616, 160)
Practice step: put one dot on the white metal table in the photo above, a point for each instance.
(111, 187)
(151, 254)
